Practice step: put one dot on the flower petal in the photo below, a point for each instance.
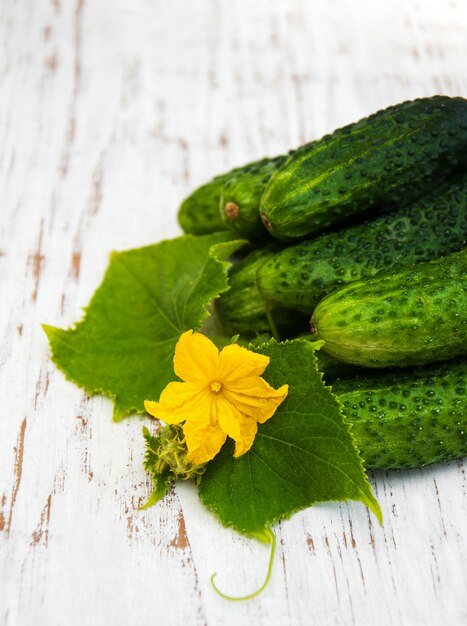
(236, 363)
(196, 358)
(241, 428)
(255, 398)
(181, 401)
(203, 440)
(248, 430)
(229, 417)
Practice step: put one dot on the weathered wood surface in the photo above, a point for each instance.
(111, 112)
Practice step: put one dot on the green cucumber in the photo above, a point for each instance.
(242, 310)
(411, 316)
(241, 196)
(409, 418)
(200, 213)
(331, 368)
(301, 275)
(382, 163)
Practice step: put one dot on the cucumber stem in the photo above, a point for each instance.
(314, 330)
(273, 326)
(231, 210)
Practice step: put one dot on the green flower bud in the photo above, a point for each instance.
(172, 455)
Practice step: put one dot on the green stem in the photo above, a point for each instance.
(272, 324)
(272, 539)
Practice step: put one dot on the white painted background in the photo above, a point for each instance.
(110, 113)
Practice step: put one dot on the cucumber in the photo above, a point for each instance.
(381, 163)
(332, 369)
(241, 196)
(242, 309)
(413, 316)
(200, 213)
(301, 275)
(409, 418)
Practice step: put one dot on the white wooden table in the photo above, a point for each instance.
(110, 113)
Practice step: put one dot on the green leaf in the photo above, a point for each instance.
(124, 346)
(302, 455)
(161, 486)
(151, 455)
(161, 480)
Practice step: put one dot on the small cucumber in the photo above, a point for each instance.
(242, 309)
(241, 196)
(408, 418)
(301, 275)
(382, 163)
(200, 213)
(412, 316)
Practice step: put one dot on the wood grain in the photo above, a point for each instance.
(110, 113)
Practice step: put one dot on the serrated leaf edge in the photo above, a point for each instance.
(370, 502)
(119, 413)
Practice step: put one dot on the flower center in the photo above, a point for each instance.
(216, 386)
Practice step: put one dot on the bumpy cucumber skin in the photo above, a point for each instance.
(301, 275)
(381, 163)
(200, 214)
(242, 309)
(409, 418)
(414, 316)
(241, 196)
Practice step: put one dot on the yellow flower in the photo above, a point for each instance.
(222, 395)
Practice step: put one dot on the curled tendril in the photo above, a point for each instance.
(271, 539)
